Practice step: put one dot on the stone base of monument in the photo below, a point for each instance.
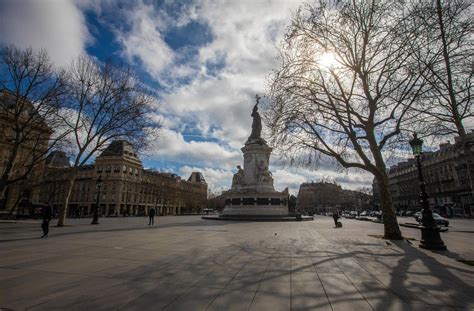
(288, 217)
(253, 206)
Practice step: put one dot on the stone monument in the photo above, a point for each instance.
(252, 192)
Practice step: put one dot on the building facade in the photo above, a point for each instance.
(127, 188)
(24, 138)
(324, 197)
(447, 180)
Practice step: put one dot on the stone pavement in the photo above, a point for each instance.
(185, 263)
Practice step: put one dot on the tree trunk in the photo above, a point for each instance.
(467, 155)
(63, 211)
(15, 204)
(391, 228)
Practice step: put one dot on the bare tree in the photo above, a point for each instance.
(344, 88)
(31, 93)
(444, 50)
(106, 102)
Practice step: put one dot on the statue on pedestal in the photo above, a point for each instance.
(253, 194)
(255, 136)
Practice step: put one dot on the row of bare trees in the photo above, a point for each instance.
(85, 106)
(395, 67)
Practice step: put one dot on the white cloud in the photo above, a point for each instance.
(284, 178)
(144, 40)
(217, 179)
(53, 25)
(245, 35)
(171, 146)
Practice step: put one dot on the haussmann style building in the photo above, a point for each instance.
(127, 188)
(17, 112)
(327, 197)
(448, 180)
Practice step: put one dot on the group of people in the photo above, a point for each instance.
(48, 215)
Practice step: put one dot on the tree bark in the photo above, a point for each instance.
(15, 204)
(63, 211)
(391, 228)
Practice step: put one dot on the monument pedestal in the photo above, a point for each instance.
(252, 193)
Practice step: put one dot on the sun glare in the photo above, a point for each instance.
(327, 60)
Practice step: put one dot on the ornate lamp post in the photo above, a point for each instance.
(98, 184)
(430, 237)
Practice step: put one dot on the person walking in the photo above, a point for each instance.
(335, 216)
(47, 215)
(151, 214)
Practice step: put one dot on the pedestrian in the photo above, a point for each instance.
(151, 214)
(47, 215)
(335, 216)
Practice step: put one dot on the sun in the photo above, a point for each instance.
(327, 60)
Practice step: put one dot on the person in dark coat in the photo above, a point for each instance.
(335, 216)
(151, 214)
(47, 215)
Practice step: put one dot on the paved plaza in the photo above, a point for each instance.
(186, 263)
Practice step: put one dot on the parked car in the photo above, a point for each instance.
(417, 216)
(375, 213)
(440, 221)
(352, 215)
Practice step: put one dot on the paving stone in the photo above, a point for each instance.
(232, 300)
(271, 300)
(196, 298)
(308, 295)
(156, 299)
(342, 294)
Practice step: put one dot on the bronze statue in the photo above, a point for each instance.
(256, 123)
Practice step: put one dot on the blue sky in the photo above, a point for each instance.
(206, 60)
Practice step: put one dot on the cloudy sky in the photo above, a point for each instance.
(206, 59)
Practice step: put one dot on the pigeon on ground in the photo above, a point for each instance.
(388, 243)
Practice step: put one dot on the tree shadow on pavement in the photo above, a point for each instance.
(421, 277)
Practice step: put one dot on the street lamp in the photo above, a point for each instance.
(98, 184)
(430, 237)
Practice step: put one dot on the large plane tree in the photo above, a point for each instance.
(344, 88)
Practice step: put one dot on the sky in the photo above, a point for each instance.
(205, 59)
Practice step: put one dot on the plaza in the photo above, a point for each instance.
(186, 263)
